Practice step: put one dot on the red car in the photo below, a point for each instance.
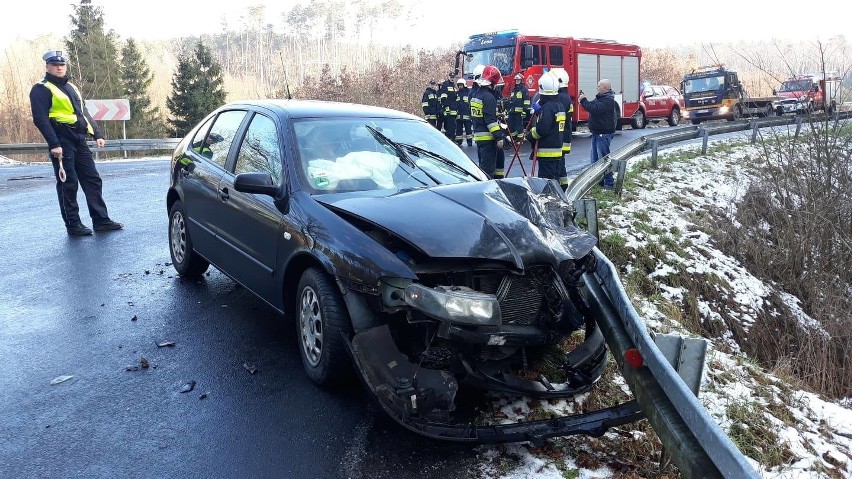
(658, 102)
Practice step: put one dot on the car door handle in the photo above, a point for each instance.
(223, 193)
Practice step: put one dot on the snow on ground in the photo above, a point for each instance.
(8, 161)
(799, 433)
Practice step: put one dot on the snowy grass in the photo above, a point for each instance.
(658, 235)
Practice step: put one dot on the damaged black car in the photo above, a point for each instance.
(397, 256)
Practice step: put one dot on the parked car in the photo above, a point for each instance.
(396, 254)
(659, 102)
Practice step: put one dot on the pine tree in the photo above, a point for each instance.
(93, 57)
(136, 77)
(197, 89)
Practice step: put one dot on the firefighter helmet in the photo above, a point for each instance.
(477, 71)
(461, 82)
(490, 76)
(519, 76)
(562, 76)
(548, 84)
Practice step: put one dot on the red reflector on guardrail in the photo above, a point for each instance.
(634, 358)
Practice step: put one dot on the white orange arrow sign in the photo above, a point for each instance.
(108, 109)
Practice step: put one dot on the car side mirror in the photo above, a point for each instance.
(774, 91)
(259, 183)
(649, 93)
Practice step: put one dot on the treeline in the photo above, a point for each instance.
(321, 50)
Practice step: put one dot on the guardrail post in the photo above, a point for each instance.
(588, 208)
(620, 167)
(655, 148)
(705, 136)
(753, 131)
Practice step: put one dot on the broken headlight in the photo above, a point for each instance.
(457, 304)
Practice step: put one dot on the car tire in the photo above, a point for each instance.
(674, 117)
(638, 121)
(618, 125)
(322, 325)
(184, 258)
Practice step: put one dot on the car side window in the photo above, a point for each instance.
(221, 135)
(658, 91)
(260, 151)
(197, 144)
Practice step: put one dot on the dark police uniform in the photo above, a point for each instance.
(59, 114)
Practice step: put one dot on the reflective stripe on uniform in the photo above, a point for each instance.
(550, 152)
(566, 147)
(492, 127)
(483, 136)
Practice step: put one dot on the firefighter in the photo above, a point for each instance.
(549, 127)
(463, 128)
(486, 128)
(520, 103)
(449, 106)
(430, 104)
(568, 103)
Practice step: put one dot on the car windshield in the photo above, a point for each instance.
(354, 154)
(798, 85)
(698, 85)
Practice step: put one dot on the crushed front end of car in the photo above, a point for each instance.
(499, 308)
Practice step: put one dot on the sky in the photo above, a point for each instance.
(648, 24)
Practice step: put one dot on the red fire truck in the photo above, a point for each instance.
(808, 93)
(586, 61)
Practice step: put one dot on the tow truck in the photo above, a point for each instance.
(715, 93)
(803, 94)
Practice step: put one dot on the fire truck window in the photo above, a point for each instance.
(556, 56)
(543, 55)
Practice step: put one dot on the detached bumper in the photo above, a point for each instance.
(423, 400)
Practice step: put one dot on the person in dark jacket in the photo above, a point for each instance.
(61, 117)
(486, 129)
(549, 125)
(568, 103)
(520, 104)
(430, 104)
(463, 126)
(602, 120)
(449, 107)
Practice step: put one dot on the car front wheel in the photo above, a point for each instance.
(185, 260)
(638, 121)
(323, 324)
(674, 117)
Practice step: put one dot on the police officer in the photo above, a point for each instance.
(59, 114)
(430, 104)
(568, 103)
(549, 126)
(449, 106)
(520, 103)
(486, 128)
(463, 127)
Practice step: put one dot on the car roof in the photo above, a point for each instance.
(321, 109)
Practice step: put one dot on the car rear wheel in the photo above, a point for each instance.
(674, 117)
(184, 258)
(323, 325)
(638, 121)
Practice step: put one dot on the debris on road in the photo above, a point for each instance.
(60, 379)
(134, 318)
(251, 368)
(204, 395)
(143, 363)
(188, 386)
(166, 344)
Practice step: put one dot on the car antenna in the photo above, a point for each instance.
(286, 81)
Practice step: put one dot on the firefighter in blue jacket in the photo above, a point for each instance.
(448, 98)
(568, 103)
(520, 103)
(430, 104)
(61, 117)
(549, 127)
(486, 129)
(463, 126)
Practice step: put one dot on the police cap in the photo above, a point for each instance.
(54, 56)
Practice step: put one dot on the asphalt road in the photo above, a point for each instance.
(97, 307)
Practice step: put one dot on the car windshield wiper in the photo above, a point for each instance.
(400, 152)
(442, 159)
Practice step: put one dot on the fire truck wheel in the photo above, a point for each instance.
(638, 121)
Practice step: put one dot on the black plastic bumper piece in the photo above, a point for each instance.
(423, 400)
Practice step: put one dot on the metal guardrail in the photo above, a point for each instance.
(697, 445)
(163, 144)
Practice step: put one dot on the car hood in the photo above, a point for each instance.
(519, 220)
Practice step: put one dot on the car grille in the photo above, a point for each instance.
(521, 296)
